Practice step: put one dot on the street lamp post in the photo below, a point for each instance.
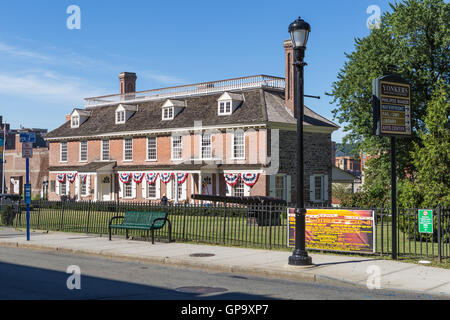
(299, 31)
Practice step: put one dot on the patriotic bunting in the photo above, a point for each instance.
(125, 177)
(165, 177)
(151, 177)
(83, 178)
(71, 177)
(231, 178)
(181, 177)
(137, 177)
(61, 177)
(250, 178)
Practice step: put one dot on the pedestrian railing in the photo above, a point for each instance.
(257, 225)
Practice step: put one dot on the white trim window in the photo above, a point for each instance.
(84, 192)
(120, 116)
(151, 149)
(318, 188)
(105, 150)
(75, 121)
(128, 149)
(177, 148)
(128, 190)
(240, 189)
(239, 144)
(206, 143)
(63, 188)
(63, 152)
(225, 108)
(168, 113)
(83, 151)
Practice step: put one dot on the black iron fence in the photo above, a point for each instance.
(256, 225)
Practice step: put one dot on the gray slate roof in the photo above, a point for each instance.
(259, 106)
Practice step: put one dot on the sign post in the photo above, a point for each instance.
(27, 139)
(392, 117)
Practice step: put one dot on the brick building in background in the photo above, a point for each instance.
(15, 167)
(232, 137)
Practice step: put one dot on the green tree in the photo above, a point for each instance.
(415, 37)
(432, 156)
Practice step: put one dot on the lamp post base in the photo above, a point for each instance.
(300, 258)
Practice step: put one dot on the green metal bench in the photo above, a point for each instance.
(149, 221)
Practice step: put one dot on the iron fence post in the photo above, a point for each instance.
(62, 216)
(88, 217)
(439, 232)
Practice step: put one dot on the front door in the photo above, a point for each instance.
(105, 188)
(207, 184)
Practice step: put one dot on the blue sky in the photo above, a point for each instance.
(46, 69)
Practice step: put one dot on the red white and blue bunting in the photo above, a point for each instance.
(137, 177)
(151, 177)
(231, 178)
(165, 177)
(181, 177)
(71, 177)
(250, 178)
(83, 178)
(124, 177)
(61, 177)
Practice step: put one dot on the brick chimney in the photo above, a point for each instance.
(67, 117)
(127, 82)
(290, 76)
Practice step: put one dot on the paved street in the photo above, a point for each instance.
(32, 274)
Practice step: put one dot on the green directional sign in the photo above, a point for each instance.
(425, 221)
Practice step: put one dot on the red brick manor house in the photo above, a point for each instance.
(228, 137)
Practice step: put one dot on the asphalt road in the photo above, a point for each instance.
(32, 274)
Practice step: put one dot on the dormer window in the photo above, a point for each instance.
(228, 103)
(124, 112)
(120, 116)
(78, 117)
(171, 108)
(167, 113)
(75, 121)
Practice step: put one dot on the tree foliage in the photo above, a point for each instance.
(415, 37)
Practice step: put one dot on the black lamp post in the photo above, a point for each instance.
(299, 30)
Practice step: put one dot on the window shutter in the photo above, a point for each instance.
(183, 191)
(288, 189)
(88, 185)
(144, 189)
(325, 187)
(246, 191)
(228, 189)
(120, 189)
(67, 188)
(77, 187)
(134, 187)
(272, 190)
(169, 190)
(312, 192)
(57, 187)
(158, 189)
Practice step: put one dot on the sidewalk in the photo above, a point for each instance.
(394, 275)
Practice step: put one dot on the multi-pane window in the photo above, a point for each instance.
(63, 188)
(63, 151)
(206, 146)
(151, 148)
(75, 121)
(239, 144)
(120, 116)
(279, 187)
(83, 189)
(151, 191)
(177, 147)
(318, 188)
(128, 149)
(105, 150)
(238, 189)
(168, 113)
(128, 190)
(175, 184)
(83, 150)
(225, 108)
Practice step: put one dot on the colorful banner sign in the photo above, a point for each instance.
(336, 230)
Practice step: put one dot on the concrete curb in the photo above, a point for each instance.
(178, 263)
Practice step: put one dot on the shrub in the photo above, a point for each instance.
(8, 214)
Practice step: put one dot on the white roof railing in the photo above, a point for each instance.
(259, 81)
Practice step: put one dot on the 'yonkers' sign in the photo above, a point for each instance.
(391, 106)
